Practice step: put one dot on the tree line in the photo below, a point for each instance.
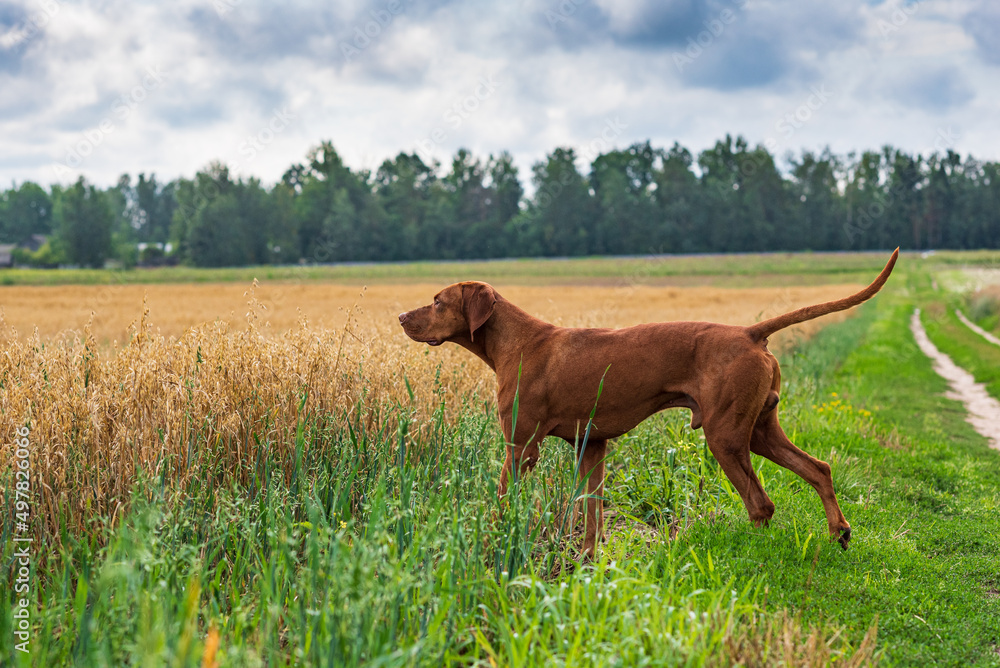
(638, 200)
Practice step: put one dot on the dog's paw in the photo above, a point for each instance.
(845, 537)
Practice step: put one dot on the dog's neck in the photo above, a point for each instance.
(503, 338)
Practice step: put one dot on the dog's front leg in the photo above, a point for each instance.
(592, 472)
(520, 459)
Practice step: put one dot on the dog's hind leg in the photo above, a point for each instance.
(729, 442)
(769, 440)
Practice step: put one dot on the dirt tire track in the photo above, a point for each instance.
(983, 411)
(977, 329)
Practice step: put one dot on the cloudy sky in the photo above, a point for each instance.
(100, 88)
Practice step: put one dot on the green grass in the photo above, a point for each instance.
(748, 269)
(965, 347)
(989, 323)
(983, 308)
(917, 484)
(376, 555)
(395, 551)
(982, 258)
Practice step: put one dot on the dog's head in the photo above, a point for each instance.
(456, 312)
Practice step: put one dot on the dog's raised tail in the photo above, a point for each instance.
(766, 328)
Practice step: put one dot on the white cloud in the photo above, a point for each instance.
(898, 73)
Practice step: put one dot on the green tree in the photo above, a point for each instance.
(256, 221)
(84, 220)
(507, 193)
(221, 222)
(154, 208)
(818, 203)
(339, 219)
(404, 188)
(984, 206)
(641, 199)
(628, 220)
(746, 199)
(678, 195)
(560, 217)
(24, 211)
(124, 237)
(215, 236)
(905, 205)
(186, 200)
(865, 199)
(284, 231)
(470, 207)
(208, 220)
(946, 200)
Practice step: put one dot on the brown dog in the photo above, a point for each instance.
(724, 374)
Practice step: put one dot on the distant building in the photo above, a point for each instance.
(32, 244)
(165, 247)
(155, 254)
(35, 242)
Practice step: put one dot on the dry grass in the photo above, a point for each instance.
(783, 640)
(984, 303)
(201, 375)
(175, 309)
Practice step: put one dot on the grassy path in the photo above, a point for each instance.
(983, 410)
(964, 346)
(925, 507)
(976, 328)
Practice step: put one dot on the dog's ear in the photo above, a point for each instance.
(477, 303)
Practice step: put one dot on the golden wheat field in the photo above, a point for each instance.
(112, 389)
(64, 311)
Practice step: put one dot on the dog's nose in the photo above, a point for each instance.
(402, 317)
